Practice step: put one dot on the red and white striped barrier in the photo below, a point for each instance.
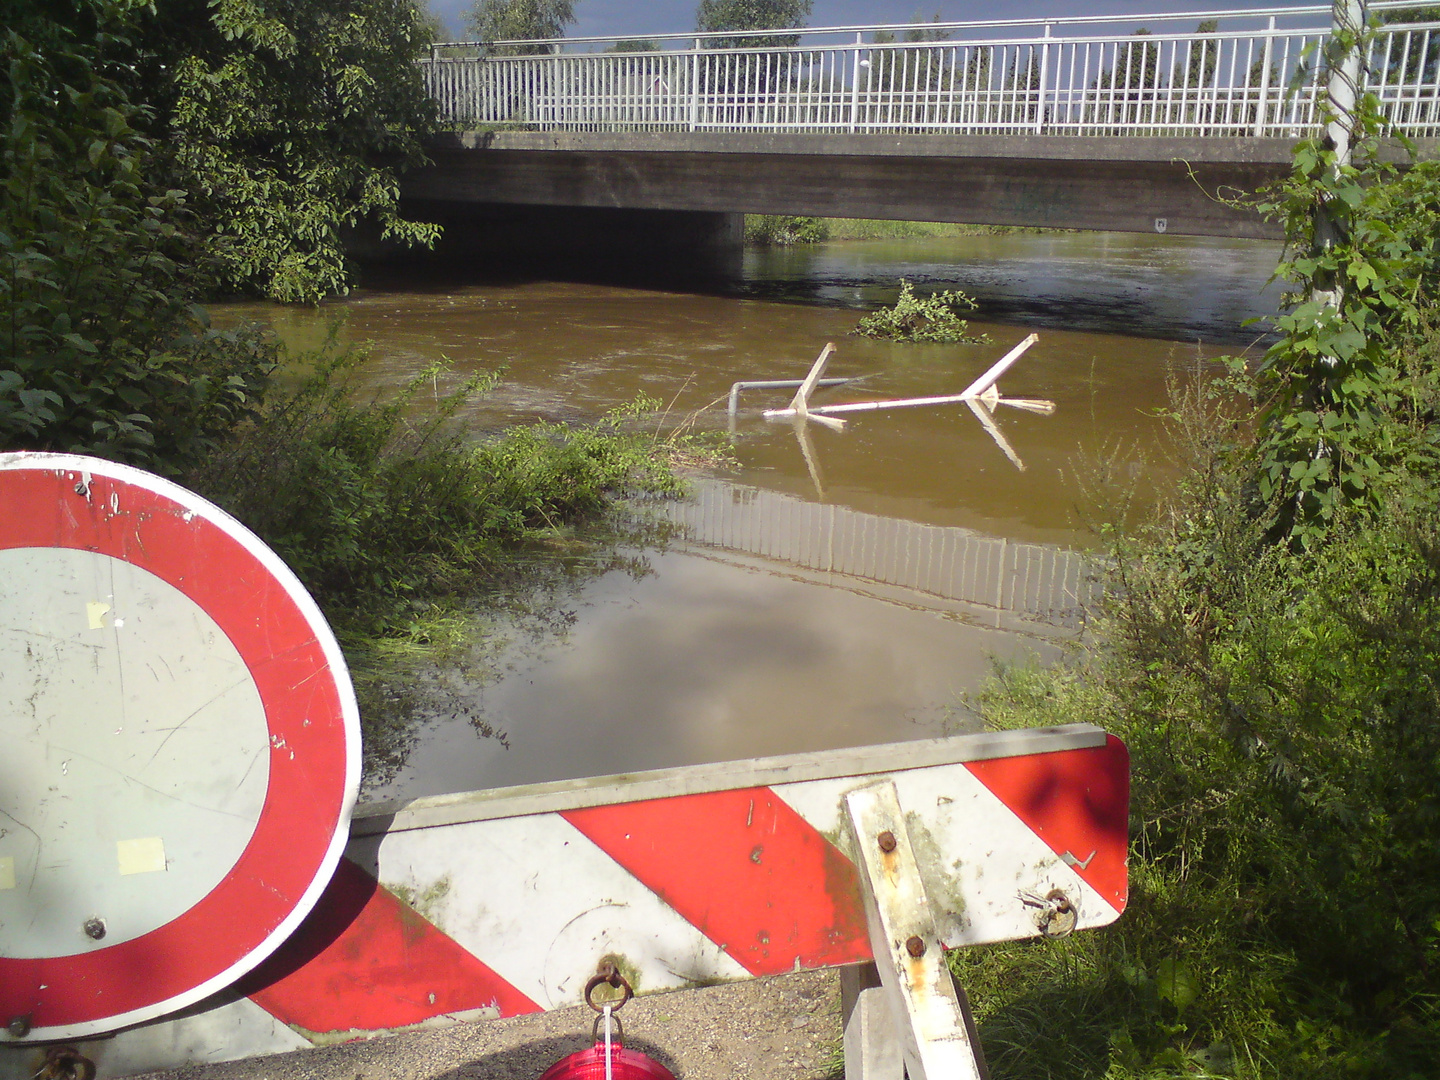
(182, 768)
(502, 902)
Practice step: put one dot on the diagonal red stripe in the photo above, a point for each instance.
(1078, 802)
(745, 869)
(365, 961)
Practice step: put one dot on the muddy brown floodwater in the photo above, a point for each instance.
(837, 589)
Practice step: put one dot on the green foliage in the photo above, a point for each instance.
(1270, 653)
(429, 26)
(288, 124)
(634, 45)
(102, 353)
(914, 34)
(781, 230)
(716, 15)
(1363, 251)
(922, 318)
(400, 529)
(1420, 55)
(778, 229)
(377, 505)
(519, 20)
(1282, 709)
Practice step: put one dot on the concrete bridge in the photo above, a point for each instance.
(1065, 123)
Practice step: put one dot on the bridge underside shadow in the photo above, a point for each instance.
(492, 240)
(1130, 184)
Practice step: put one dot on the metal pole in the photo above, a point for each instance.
(1044, 76)
(1347, 16)
(695, 87)
(1331, 220)
(1265, 62)
(855, 80)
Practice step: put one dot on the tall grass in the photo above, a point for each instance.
(403, 526)
(780, 230)
(1282, 709)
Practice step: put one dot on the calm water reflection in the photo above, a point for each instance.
(1183, 288)
(723, 652)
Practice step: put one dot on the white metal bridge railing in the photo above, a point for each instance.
(1225, 74)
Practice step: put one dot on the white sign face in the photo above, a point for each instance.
(181, 748)
(137, 741)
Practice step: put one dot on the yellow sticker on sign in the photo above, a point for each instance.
(143, 856)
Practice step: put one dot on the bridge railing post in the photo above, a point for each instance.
(1266, 60)
(695, 86)
(855, 80)
(1044, 78)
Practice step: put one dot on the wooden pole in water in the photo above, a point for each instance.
(984, 382)
(800, 403)
(974, 390)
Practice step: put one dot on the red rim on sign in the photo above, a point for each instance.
(181, 748)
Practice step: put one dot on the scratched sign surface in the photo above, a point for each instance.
(181, 748)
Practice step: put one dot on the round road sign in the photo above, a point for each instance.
(179, 748)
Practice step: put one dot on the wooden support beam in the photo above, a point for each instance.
(938, 1039)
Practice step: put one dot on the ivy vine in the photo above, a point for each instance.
(1361, 260)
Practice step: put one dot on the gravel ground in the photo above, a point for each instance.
(786, 1027)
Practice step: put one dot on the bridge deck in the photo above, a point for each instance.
(1002, 123)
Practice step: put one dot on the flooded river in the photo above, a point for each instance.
(838, 588)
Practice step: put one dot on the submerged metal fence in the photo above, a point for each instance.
(1201, 74)
(1038, 582)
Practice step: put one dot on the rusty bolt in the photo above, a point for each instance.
(95, 928)
(19, 1026)
(915, 946)
(886, 840)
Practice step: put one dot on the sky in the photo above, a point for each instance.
(639, 18)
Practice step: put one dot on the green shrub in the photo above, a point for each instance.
(400, 528)
(102, 352)
(922, 318)
(1282, 709)
(780, 230)
(377, 504)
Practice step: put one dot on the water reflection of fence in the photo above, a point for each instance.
(1038, 582)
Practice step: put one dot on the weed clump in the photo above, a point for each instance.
(1281, 703)
(934, 318)
(784, 230)
(397, 524)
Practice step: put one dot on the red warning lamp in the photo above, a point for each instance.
(624, 1064)
(608, 1059)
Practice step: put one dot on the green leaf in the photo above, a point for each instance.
(1176, 983)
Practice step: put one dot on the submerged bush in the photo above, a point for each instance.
(399, 527)
(380, 504)
(933, 318)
